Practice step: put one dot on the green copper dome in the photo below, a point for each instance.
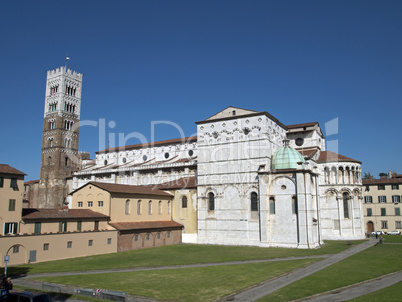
(286, 158)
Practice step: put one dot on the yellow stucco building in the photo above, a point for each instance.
(382, 203)
(142, 215)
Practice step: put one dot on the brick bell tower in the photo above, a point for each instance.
(60, 135)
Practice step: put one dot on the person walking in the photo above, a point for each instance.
(7, 285)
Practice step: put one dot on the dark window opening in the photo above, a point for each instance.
(211, 201)
(184, 202)
(345, 205)
(254, 201)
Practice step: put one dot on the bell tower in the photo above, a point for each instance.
(60, 135)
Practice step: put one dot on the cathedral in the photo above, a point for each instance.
(244, 179)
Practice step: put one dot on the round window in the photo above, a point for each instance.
(124, 160)
(105, 162)
(166, 155)
(299, 141)
(190, 152)
(144, 157)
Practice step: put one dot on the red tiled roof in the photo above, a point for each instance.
(302, 125)
(382, 181)
(141, 225)
(7, 169)
(152, 144)
(28, 214)
(329, 156)
(127, 189)
(31, 182)
(182, 183)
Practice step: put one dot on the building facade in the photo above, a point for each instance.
(382, 203)
(232, 161)
(142, 215)
(11, 192)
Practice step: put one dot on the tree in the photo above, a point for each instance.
(382, 174)
(368, 176)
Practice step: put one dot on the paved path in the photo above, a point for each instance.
(357, 290)
(270, 286)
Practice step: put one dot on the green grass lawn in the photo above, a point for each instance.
(392, 238)
(187, 284)
(210, 283)
(174, 255)
(371, 263)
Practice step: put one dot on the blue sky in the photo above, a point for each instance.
(183, 61)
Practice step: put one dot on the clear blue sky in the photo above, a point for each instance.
(183, 61)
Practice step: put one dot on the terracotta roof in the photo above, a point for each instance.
(302, 125)
(182, 183)
(329, 156)
(127, 189)
(152, 144)
(28, 214)
(31, 182)
(141, 225)
(7, 169)
(382, 181)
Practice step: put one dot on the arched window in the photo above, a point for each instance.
(254, 201)
(294, 205)
(160, 207)
(150, 207)
(271, 205)
(168, 208)
(211, 201)
(139, 207)
(127, 208)
(345, 205)
(184, 202)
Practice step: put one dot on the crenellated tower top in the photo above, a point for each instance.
(63, 92)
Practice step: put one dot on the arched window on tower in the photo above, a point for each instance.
(51, 142)
(254, 201)
(211, 201)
